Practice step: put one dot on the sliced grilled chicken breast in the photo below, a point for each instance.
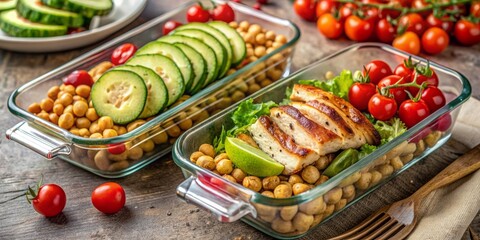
(308, 93)
(304, 131)
(280, 146)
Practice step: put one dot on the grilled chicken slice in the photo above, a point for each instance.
(331, 120)
(306, 93)
(304, 131)
(280, 146)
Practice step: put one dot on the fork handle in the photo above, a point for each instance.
(461, 167)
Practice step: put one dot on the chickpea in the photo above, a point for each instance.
(69, 89)
(324, 161)
(260, 39)
(406, 158)
(159, 138)
(231, 71)
(321, 180)
(53, 118)
(298, 188)
(317, 218)
(80, 108)
(268, 194)
(82, 123)
(34, 108)
(244, 25)
(135, 153)
(44, 115)
(295, 179)
(101, 160)
(96, 135)
(66, 121)
(276, 45)
(252, 59)
(283, 191)
(329, 75)
(350, 179)
(253, 88)
(270, 35)
(329, 210)
(260, 51)
(83, 91)
(281, 39)
(53, 92)
(376, 177)
(282, 226)
(237, 96)
(409, 149)
(364, 182)
(274, 74)
(105, 122)
(108, 133)
(58, 109)
(287, 213)
(316, 206)
(91, 114)
(252, 182)
(396, 163)
(195, 155)
(206, 162)
(174, 131)
(249, 38)
(185, 124)
(66, 99)
(46, 104)
(94, 127)
(118, 157)
(84, 132)
(233, 24)
(250, 52)
(270, 183)
(220, 157)
(238, 174)
(420, 148)
(147, 146)
(348, 191)
(207, 149)
(117, 166)
(432, 138)
(333, 196)
(302, 221)
(229, 178)
(310, 174)
(224, 166)
(386, 170)
(340, 204)
(122, 130)
(68, 109)
(255, 29)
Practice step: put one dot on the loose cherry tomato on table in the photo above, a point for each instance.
(444, 23)
(77, 78)
(223, 12)
(358, 29)
(48, 200)
(475, 9)
(377, 70)
(434, 98)
(360, 93)
(197, 14)
(329, 26)
(413, 23)
(305, 9)
(170, 26)
(408, 42)
(398, 93)
(385, 31)
(325, 6)
(122, 53)
(467, 33)
(381, 107)
(412, 112)
(435, 40)
(108, 198)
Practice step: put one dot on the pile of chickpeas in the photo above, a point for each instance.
(296, 219)
(70, 107)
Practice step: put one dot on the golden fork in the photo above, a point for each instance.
(397, 220)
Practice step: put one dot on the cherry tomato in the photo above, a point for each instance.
(358, 29)
(418, 4)
(432, 81)
(398, 93)
(475, 9)
(117, 148)
(360, 93)
(197, 14)
(385, 31)
(443, 123)
(223, 12)
(347, 10)
(329, 26)
(77, 78)
(384, 13)
(170, 26)
(381, 107)
(305, 9)
(411, 112)
(377, 70)
(443, 23)
(108, 198)
(435, 40)
(404, 71)
(414, 23)
(76, 30)
(371, 14)
(257, 6)
(122, 53)
(420, 135)
(467, 33)
(325, 6)
(262, 1)
(434, 98)
(408, 42)
(49, 200)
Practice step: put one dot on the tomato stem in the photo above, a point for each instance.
(405, 10)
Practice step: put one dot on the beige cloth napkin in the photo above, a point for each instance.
(448, 212)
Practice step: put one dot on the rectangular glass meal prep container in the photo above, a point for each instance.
(155, 137)
(295, 216)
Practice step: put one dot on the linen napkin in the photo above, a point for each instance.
(447, 212)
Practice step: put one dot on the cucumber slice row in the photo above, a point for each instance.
(236, 41)
(89, 8)
(35, 11)
(7, 5)
(199, 67)
(119, 94)
(54, 3)
(14, 25)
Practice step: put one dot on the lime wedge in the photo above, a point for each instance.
(251, 160)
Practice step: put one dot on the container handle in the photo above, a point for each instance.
(221, 204)
(43, 144)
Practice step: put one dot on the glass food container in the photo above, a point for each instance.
(146, 141)
(295, 216)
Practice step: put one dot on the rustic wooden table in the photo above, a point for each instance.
(152, 209)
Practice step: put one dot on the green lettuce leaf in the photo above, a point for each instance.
(390, 129)
(339, 85)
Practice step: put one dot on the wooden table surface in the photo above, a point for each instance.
(152, 209)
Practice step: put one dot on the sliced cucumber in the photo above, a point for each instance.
(220, 52)
(174, 53)
(199, 67)
(237, 42)
(54, 3)
(207, 53)
(157, 96)
(119, 94)
(7, 4)
(89, 8)
(35, 11)
(165, 68)
(219, 36)
(14, 25)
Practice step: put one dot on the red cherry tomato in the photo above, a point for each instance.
(108, 198)
(329, 26)
(77, 78)
(197, 14)
(411, 112)
(414, 23)
(170, 26)
(475, 9)
(434, 98)
(49, 200)
(117, 148)
(257, 6)
(358, 29)
(408, 42)
(435, 40)
(377, 70)
(418, 4)
(398, 93)
(467, 33)
(347, 10)
(404, 71)
(381, 107)
(262, 1)
(122, 53)
(443, 123)
(223, 12)
(443, 23)
(360, 93)
(432, 81)
(325, 6)
(385, 31)
(305, 9)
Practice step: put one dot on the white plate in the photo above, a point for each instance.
(124, 12)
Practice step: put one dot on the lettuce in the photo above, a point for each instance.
(339, 85)
(390, 129)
